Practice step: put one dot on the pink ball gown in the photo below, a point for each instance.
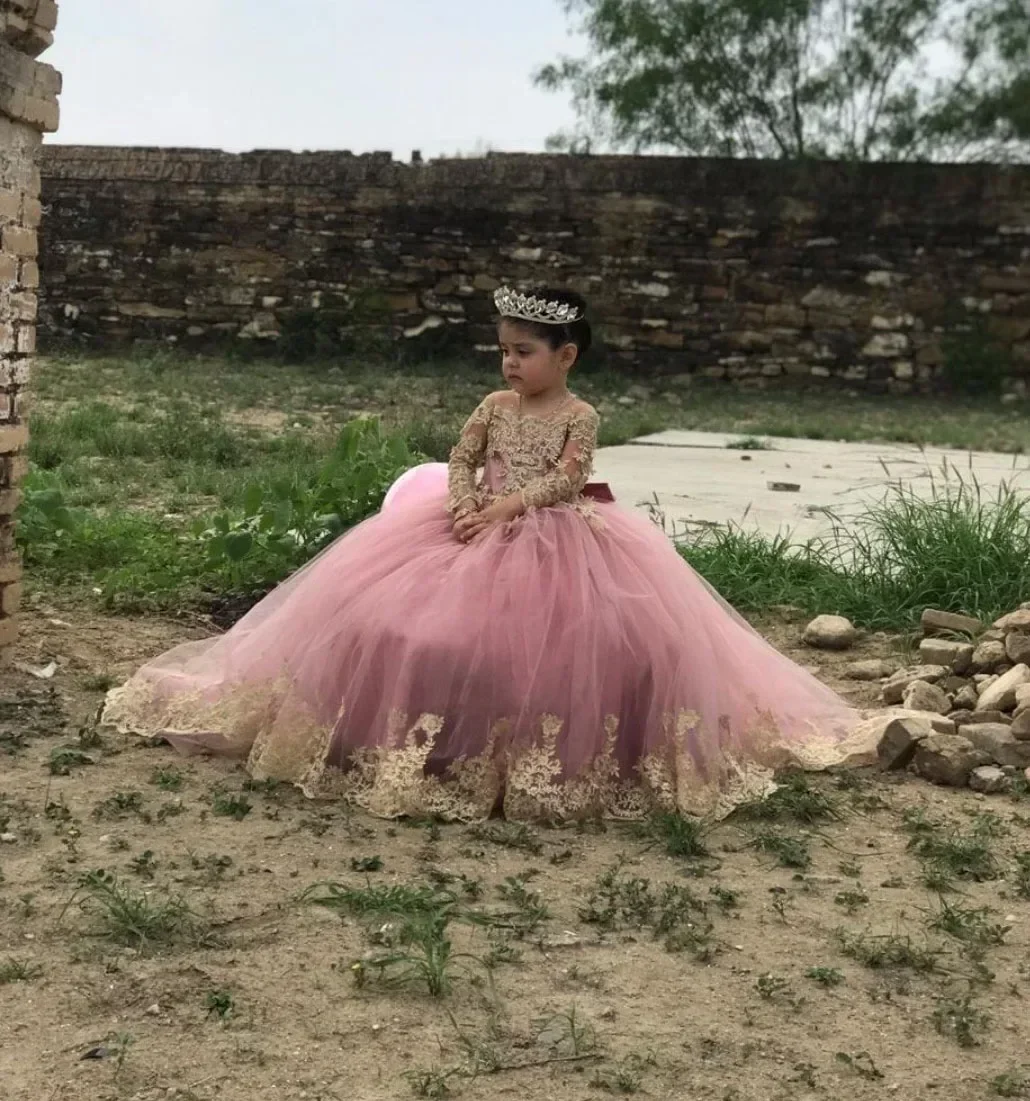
(568, 664)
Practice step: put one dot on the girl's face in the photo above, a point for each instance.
(530, 365)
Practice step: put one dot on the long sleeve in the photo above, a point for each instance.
(570, 475)
(466, 459)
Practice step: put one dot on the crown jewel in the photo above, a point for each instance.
(525, 307)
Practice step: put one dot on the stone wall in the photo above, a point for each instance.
(755, 271)
(28, 108)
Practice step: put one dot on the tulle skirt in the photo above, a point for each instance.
(569, 664)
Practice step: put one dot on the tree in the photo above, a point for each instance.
(851, 79)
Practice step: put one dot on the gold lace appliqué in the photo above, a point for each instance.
(548, 459)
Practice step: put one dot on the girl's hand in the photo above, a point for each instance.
(477, 524)
(465, 524)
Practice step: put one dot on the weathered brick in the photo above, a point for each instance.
(28, 276)
(10, 569)
(10, 599)
(9, 501)
(24, 306)
(13, 437)
(26, 339)
(32, 212)
(8, 267)
(45, 15)
(8, 632)
(10, 205)
(20, 241)
(8, 342)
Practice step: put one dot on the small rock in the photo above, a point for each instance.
(1015, 621)
(957, 656)
(871, 670)
(1017, 647)
(988, 779)
(947, 759)
(966, 698)
(981, 716)
(562, 940)
(831, 632)
(921, 696)
(894, 689)
(941, 724)
(1022, 696)
(8, 838)
(1021, 726)
(898, 745)
(153, 1010)
(998, 744)
(988, 656)
(934, 620)
(1001, 696)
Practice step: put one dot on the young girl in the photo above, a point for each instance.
(513, 645)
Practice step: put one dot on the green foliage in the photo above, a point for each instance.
(801, 78)
(953, 548)
(281, 528)
(141, 561)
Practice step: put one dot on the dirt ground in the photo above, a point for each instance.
(730, 976)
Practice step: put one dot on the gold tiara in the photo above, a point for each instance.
(526, 307)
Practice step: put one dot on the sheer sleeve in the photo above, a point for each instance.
(466, 459)
(567, 480)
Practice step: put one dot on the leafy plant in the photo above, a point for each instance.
(287, 523)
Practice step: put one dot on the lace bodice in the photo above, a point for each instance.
(548, 459)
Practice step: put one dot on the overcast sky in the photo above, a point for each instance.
(442, 76)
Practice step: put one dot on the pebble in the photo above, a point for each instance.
(8, 838)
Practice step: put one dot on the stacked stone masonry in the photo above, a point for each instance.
(28, 109)
(759, 272)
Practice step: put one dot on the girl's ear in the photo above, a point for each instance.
(567, 356)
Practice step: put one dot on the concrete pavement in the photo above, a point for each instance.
(694, 477)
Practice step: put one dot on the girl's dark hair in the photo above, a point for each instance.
(575, 332)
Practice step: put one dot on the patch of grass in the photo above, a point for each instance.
(65, 759)
(398, 900)
(12, 971)
(852, 899)
(120, 805)
(949, 852)
(135, 918)
(528, 910)
(421, 954)
(366, 864)
(168, 779)
(508, 835)
(889, 951)
(433, 1082)
(672, 912)
(1021, 876)
(862, 1064)
(972, 926)
(789, 850)
(231, 806)
(797, 799)
(678, 835)
(220, 1004)
(954, 548)
(825, 976)
(1012, 1083)
(962, 1020)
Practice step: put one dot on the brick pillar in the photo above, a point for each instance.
(28, 109)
